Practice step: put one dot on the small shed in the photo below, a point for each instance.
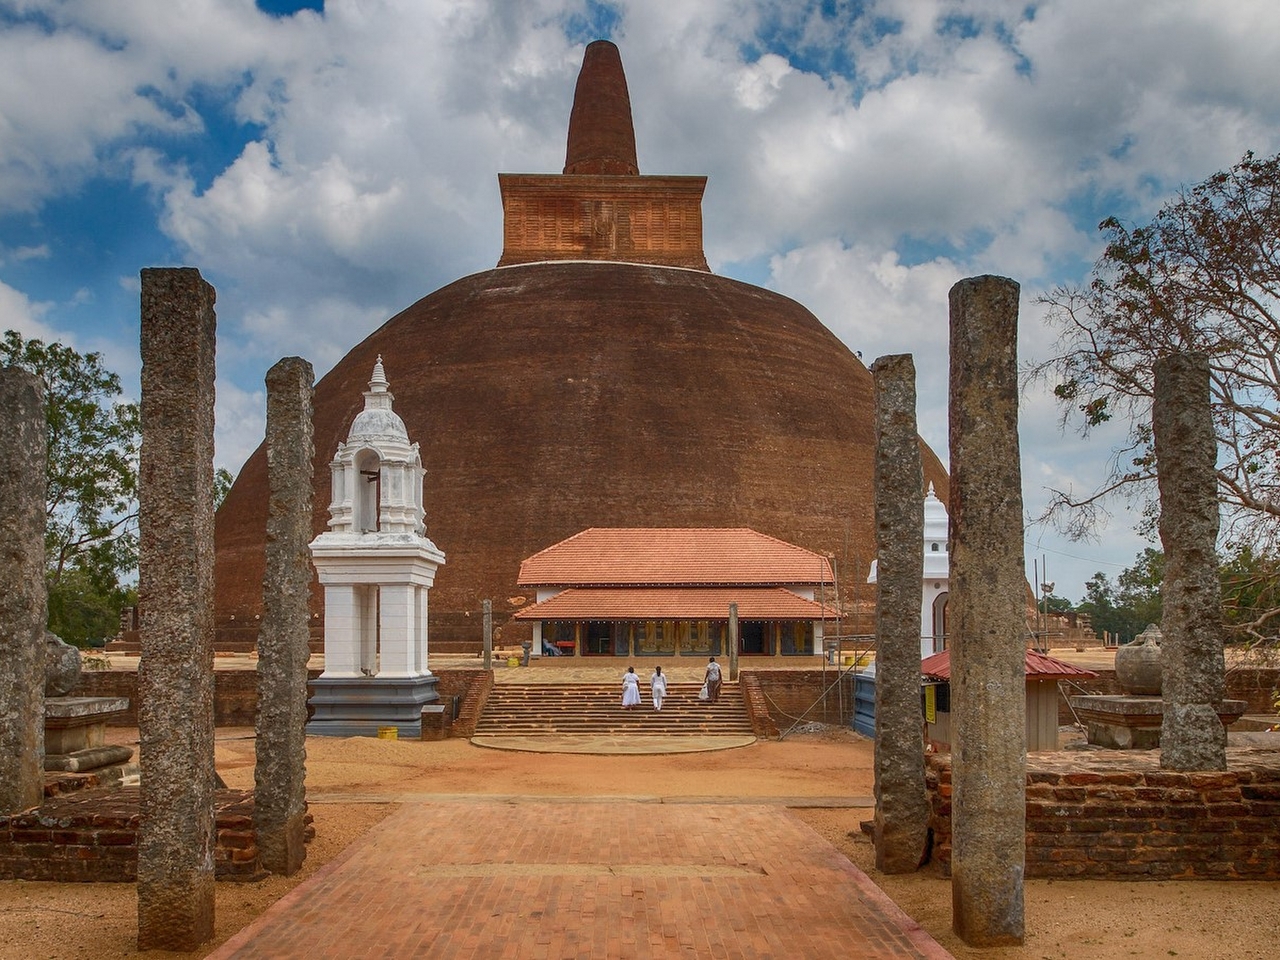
(1043, 674)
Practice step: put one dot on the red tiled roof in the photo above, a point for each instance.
(673, 603)
(673, 555)
(1037, 664)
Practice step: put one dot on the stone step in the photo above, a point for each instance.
(596, 708)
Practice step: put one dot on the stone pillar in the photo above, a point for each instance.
(733, 642)
(488, 634)
(175, 596)
(902, 806)
(280, 805)
(988, 620)
(1191, 735)
(23, 601)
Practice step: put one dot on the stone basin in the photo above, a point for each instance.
(77, 723)
(1127, 722)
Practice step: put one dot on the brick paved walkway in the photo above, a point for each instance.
(590, 880)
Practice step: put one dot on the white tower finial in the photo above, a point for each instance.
(379, 382)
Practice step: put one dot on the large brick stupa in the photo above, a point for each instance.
(599, 376)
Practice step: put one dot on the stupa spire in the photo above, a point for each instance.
(602, 139)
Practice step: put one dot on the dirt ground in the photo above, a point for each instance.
(354, 783)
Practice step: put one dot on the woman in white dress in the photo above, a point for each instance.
(658, 687)
(630, 689)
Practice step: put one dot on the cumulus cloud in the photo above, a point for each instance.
(18, 312)
(861, 157)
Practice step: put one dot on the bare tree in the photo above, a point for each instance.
(1204, 275)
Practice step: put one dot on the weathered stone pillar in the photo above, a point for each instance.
(988, 618)
(175, 597)
(488, 634)
(733, 643)
(23, 601)
(902, 806)
(1191, 735)
(280, 796)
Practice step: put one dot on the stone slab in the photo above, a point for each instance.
(92, 758)
(76, 708)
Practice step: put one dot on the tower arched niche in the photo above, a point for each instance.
(366, 501)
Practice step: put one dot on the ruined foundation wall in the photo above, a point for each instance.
(93, 838)
(1120, 817)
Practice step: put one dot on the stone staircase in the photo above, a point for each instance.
(540, 709)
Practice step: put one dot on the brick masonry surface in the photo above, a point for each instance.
(585, 880)
(92, 836)
(1116, 815)
(788, 694)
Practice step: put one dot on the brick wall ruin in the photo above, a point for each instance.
(1118, 816)
(92, 837)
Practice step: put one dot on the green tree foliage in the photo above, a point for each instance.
(1138, 589)
(1203, 276)
(84, 610)
(1055, 604)
(1250, 597)
(222, 481)
(1107, 617)
(90, 486)
(1124, 608)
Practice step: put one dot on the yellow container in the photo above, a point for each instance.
(513, 661)
(388, 733)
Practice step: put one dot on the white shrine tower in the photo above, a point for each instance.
(376, 566)
(937, 569)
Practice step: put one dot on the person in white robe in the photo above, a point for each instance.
(658, 687)
(630, 689)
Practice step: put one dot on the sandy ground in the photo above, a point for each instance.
(354, 783)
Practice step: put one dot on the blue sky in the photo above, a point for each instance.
(327, 164)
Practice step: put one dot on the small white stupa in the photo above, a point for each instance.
(376, 566)
(937, 569)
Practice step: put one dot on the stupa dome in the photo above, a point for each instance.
(601, 376)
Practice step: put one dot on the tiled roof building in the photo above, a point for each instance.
(667, 591)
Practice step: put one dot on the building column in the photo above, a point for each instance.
(396, 614)
(341, 630)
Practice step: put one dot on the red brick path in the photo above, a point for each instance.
(590, 880)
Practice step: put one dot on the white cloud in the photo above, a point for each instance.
(18, 312)
(240, 422)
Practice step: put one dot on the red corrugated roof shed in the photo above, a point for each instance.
(606, 556)
(1039, 665)
(673, 603)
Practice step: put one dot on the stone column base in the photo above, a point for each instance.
(360, 706)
